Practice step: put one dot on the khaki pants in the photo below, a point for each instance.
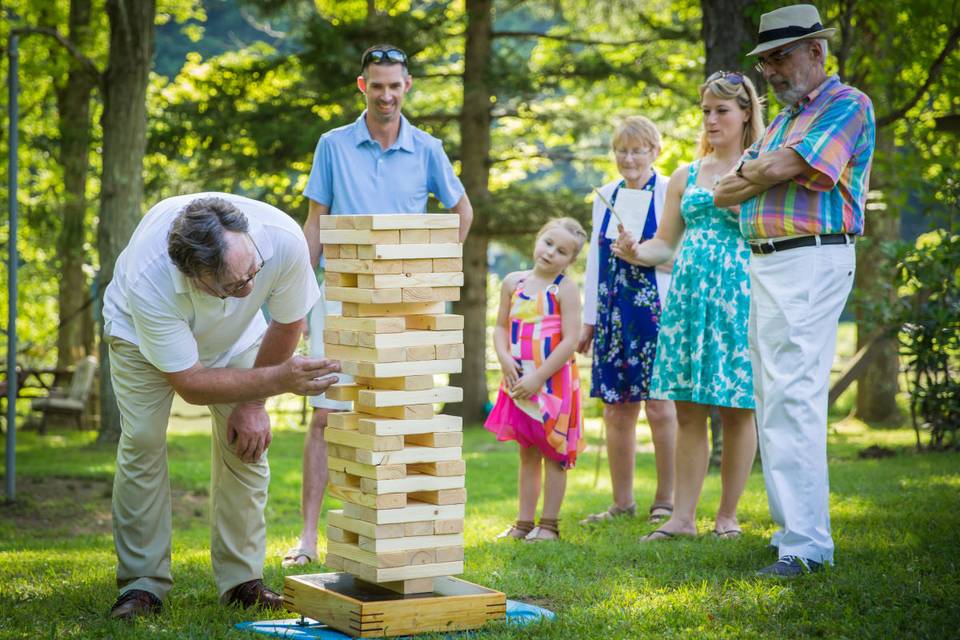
(141, 489)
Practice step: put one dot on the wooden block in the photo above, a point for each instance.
(349, 338)
(413, 512)
(347, 420)
(342, 452)
(392, 574)
(415, 529)
(408, 587)
(449, 554)
(409, 251)
(403, 383)
(384, 426)
(342, 392)
(410, 339)
(427, 294)
(408, 412)
(445, 496)
(401, 221)
(348, 251)
(361, 237)
(411, 455)
(366, 310)
(341, 535)
(367, 325)
(423, 265)
(334, 279)
(376, 472)
(413, 483)
(440, 468)
(355, 266)
(448, 439)
(364, 528)
(331, 336)
(409, 542)
(449, 351)
(363, 354)
(402, 280)
(372, 500)
(415, 236)
(443, 527)
(440, 236)
(419, 353)
(330, 222)
(334, 562)
(444, 265)
(331, 251)
(365, 441)
(388, 398)
(373, 296)
(398, 369)
(407, 558)
(440, 322)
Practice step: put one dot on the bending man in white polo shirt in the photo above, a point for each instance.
(182, 314)
(379, 164)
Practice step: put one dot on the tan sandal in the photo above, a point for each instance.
(613, 511)
(659, 513)
(547, 529)
(517, 531)
(298, 557)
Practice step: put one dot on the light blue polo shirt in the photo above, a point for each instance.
(351, 174)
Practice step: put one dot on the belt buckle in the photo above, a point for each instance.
(767, 246)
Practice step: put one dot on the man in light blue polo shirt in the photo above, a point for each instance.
(379, 164)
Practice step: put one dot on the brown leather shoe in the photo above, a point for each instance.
(135, 603)
(253, 593)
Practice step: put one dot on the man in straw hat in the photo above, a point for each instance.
(802, 190)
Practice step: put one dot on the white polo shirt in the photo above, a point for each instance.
(152, 304)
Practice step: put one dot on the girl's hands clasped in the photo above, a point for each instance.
(526, 386)
(510, 370)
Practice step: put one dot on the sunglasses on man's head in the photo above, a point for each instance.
(380, 56)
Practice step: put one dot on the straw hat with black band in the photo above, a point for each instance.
(789, 24)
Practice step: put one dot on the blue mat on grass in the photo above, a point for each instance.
(518, 613)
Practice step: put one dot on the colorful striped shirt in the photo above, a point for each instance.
(832, 129)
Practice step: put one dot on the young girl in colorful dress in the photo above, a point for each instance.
(538, 327)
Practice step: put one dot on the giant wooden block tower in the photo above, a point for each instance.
(394, 462)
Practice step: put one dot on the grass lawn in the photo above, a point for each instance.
(896, 522)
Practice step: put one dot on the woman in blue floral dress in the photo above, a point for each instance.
(621, 319)
(703, 357)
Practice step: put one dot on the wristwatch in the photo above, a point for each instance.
(739, 169)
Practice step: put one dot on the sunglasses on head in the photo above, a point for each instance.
(381, 56)
(730, 76)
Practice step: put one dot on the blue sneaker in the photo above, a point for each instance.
(790, 567)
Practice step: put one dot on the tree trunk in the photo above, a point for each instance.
(475, 122)
(124, 143)
(726, 39)
(877, 388)
(73, 103)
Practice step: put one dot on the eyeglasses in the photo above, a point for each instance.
(380, 56)
(237, 287)
(730, 76)
(626, 153)
(776, 59)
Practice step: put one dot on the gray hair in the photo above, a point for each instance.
(196, 242)
(823, 47)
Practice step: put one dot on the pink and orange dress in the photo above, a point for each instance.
(551, 419)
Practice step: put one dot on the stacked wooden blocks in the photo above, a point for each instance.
(394, 462)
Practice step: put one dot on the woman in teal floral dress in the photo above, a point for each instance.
(703, 358)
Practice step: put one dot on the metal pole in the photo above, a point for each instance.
(12, 169)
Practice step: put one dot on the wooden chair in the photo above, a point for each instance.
(73, 402)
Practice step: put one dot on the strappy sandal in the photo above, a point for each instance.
(517, 531)
(546, 530)
(613, 511)
(728, 534)
(298, 557)
(659, 513)
(660, 535)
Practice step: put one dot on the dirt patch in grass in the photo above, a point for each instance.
(58, 506)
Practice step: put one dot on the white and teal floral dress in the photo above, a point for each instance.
(702, 351)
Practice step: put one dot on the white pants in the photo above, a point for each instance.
(321, 309)
(795, 303)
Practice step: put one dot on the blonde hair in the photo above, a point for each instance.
(569, 225)
(636, 128)
(746, 96)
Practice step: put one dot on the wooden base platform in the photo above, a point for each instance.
(365, 610)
